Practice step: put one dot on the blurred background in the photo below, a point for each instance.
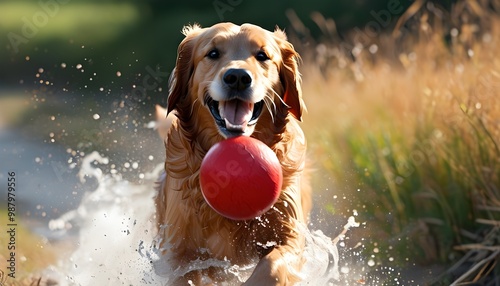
(86, 75)
(128, 35)
(402, 125)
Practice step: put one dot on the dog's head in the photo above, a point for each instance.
(237, 73)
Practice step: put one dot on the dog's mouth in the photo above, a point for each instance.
(234, 117)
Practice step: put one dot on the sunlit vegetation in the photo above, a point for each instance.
(406, 126)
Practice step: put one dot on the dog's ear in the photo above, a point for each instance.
(290, 76)
(179, 79)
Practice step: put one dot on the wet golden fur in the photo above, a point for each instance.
(184, 219)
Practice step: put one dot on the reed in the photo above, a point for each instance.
(407, 127)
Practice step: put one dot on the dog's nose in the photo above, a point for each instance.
(238, 79)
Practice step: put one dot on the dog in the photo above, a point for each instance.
(232, 80)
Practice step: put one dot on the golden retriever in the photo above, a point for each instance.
(232, 80)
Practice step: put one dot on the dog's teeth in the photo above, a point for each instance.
(221, 110)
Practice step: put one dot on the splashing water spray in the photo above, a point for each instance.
(116, 243)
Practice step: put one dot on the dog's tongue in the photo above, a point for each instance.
(237, 113)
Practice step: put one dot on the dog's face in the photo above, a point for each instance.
(237, 73)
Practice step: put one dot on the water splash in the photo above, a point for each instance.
(115, 241)
(115, 224)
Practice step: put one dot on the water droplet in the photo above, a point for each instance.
(78, 66)
(118, 74)
(63, 65)
(454, 32)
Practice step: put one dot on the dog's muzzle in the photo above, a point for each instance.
(235, 116)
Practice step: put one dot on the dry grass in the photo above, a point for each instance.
(411, 134)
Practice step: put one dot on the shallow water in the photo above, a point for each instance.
(116, 237)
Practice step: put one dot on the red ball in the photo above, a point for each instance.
(241, 178)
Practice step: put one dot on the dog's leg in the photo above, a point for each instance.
(279, 267)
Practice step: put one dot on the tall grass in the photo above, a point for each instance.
(409, 129)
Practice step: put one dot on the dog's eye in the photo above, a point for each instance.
(213, 54)
(261, 56)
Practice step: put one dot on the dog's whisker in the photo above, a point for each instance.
(280, 98)
(270, 105)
